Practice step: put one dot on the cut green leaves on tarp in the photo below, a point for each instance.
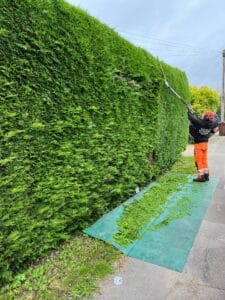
(160, 223)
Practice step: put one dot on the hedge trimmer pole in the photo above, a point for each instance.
(172, 90)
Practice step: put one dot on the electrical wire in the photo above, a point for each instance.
(176, 45)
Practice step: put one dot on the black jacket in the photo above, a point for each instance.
(201, 129)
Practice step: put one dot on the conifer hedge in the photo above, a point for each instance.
(85, 117)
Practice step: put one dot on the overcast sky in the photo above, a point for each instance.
(188, 34)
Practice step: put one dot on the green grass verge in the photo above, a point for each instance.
(138, 214)
(72, 272)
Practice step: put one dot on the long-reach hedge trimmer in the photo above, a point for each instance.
(174, 92)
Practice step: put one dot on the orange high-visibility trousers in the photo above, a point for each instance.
(200, 156)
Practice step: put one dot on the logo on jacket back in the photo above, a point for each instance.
(204, 131)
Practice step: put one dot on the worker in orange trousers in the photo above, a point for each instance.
(201, 129)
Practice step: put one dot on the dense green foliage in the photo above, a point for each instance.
(204, 99)
(85, 118)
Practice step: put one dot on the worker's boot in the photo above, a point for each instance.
(206, 176)
(200, 178)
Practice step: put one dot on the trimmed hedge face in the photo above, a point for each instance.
(85, 118)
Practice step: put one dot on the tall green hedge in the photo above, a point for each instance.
(85, 117)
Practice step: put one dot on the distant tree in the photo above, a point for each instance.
(204, 98)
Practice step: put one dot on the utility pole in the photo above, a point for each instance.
(222, 124)
(223, 89)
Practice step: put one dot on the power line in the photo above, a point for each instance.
(176, 45)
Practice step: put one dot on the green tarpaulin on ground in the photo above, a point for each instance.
(168, 246)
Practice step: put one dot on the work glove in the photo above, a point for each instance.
(190, 110)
